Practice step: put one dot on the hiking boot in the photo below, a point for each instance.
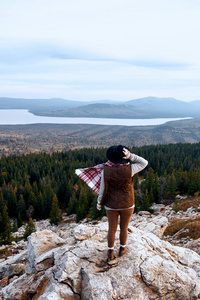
(110, 254)
(122, 251)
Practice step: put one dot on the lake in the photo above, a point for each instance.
(23, 116)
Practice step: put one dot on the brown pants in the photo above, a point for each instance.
(125, 216)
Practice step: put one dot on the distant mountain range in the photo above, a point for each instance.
(148, 107)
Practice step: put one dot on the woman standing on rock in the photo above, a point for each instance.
(113, 182)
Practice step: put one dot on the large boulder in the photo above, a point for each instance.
(41, 242)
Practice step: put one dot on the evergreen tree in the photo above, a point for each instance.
(32, 199)
(48, 195)
(176, 206)
(193, 182)
(39, 206)
(156, 189)
(11, 202)
(68, 193)
(1, 201)
(35, 189)
(181, 180)
(62, 191)
(95, 213)
(19, 220)
(27, 191)
(149, 181)
(171, 187)
(72, 204)
(1, 179)
(55, 215)
(0, 222)
(146, 202)
(30, 228)
(82, 205)
(5, 227)
(21, 207)
(151, 196)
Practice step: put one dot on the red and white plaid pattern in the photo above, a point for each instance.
(92, 175)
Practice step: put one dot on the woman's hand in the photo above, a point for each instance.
(98, 206)
(127, 153)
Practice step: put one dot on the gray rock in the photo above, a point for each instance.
(78, 269)
(156, 225)
(83, 232)
(193, 245)
(16, 263)
(39, 243)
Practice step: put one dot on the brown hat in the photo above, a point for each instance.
(115, 154)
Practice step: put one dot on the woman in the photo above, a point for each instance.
(113, 182)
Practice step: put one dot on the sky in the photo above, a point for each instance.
(100, 49)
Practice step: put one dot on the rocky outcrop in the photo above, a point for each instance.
(75, 267)
(12, 268)
(185, 222)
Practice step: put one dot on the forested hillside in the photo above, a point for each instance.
(34, 185)
(23, 139)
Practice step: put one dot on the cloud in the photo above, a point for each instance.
(112, 48)
(154, 64)
(38, 51)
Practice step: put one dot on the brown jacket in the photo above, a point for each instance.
(119, 192)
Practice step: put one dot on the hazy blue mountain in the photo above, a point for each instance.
(49, 104)
(159, 103)
(52, 103)
(106, 102)
(195, 104)
(169, 106)
(148, 107)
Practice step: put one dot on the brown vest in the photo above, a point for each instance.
(118, 192)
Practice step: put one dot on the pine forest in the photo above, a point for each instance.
(40, 186)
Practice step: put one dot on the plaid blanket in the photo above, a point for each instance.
(92, 175)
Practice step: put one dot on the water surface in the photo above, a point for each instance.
(23, 116)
